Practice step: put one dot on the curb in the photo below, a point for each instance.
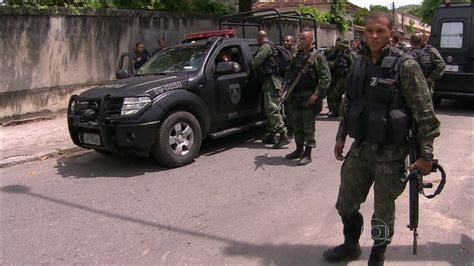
(15, 160)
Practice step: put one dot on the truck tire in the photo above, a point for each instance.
(179, 140)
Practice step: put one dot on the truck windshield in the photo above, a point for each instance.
(176, 59)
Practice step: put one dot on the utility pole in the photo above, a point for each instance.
(393, 10)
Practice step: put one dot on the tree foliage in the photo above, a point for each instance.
(321, 17)
(360, 15)
(245, 5)
(410, 9)
(205, 6)
(410, 27)
(428, 8)
(336, 15)
(374, 8)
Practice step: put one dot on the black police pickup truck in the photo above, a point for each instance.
(180, 96)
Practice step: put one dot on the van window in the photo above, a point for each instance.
(451, 34)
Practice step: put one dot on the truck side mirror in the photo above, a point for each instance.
(224, 68)
(121, 74)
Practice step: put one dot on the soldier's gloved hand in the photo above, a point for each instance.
(423, 165)
(312, 99)
(339, 150)
(281, 92)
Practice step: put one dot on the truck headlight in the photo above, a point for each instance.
(133, 105)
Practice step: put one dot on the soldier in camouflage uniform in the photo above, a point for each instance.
(265, 66)
(436, 70)
(332, 55)
(378, 153)
(314, 82)
(339, 67)
(290, 44)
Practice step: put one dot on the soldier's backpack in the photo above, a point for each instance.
(424, 60)
(282, 57)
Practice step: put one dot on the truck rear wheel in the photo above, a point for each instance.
(179, 140)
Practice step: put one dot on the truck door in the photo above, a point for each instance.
(235, 98)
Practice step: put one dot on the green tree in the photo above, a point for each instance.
(206, 6)
(374, 8)
(360, 15)
(321, 17)
(337, 15)
(410, 9)
(410, 28)
(428, 8)
(245, 5)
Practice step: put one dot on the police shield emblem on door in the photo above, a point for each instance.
(234, 92)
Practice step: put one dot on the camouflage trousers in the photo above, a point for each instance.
(302, 118)
(335, 96)
(362, 168)
(271, 100)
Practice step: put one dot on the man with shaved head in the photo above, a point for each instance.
(386, 95)
(311, 87)
(265, 67)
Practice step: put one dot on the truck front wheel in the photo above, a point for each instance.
(179, 140)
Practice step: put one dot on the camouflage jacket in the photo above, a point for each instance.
(316, 62)
(418, 99)
(265, 52)
(437, 61)
(293, 51)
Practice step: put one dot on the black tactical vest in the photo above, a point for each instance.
(424, 60)
(376, 110)
(309, 77)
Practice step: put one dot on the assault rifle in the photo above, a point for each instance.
(417, 186)
(287, 92)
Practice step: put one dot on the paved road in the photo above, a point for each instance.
(238, 203)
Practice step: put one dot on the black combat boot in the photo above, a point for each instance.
(295, 154)
(306, 157)
(350, 249)
(377, 255)
(270, 139)
(284, 140)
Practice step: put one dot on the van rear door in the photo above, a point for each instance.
(452, 34)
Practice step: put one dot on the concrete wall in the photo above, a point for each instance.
(47, 55)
